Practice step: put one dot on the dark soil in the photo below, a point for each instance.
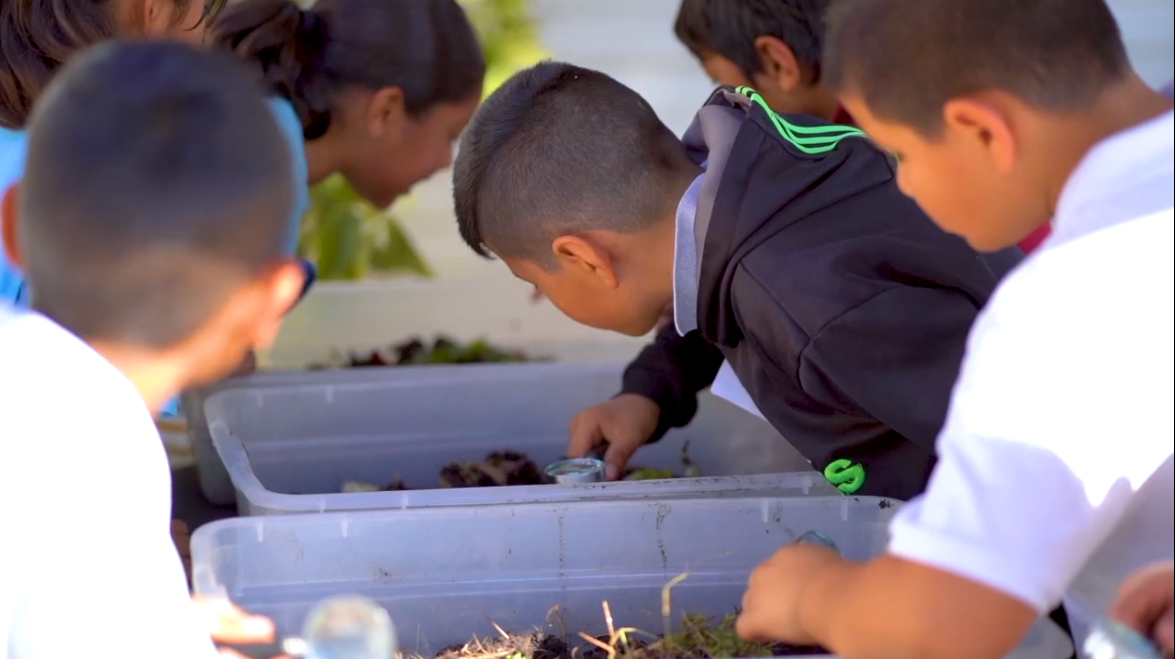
(513, 468)
(498, 469)
(441, 350)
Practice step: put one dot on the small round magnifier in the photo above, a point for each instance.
(576, 470)
(344, 627)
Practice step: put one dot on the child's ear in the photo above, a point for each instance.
(779, 63)
(386, 112)
(983, 125)
(9, 239)
(152, 17)
(586, 257)
(280, 292)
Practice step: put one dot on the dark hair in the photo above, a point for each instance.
(427, 48)
(157, 182)
(38, 36)
(560, 149)
(907, 58)
(729, 28)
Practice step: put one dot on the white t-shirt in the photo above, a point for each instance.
(1055, 464)
(87, 564)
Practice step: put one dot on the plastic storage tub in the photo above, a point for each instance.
(289, 449)
(446, 574)
(215, 483)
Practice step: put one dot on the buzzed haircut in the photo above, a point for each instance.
(730, 27)
(906, 58)
(560, 149)
(157, 184)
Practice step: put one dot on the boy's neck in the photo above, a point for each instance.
(158, 378)
(1126, 105)
(322, 159)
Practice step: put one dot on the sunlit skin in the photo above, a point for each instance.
(782, 81)
(996, 170)
(605, 280)
(381, 148)
(993, 175)
(249, 318)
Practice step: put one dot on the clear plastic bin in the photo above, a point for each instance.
(446, 574)
(289, 449)
(215, 483)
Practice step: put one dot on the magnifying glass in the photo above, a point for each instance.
(345, 627)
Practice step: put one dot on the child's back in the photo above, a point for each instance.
(783, 244)
(151, 221)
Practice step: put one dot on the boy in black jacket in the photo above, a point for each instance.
(783, 244)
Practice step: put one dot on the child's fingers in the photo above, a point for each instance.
(586, 434)
(748, 626)
(1165, 632)
(227, 623)
(616, 458)
(1146, 598)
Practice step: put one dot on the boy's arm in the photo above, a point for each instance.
(671, 371)
(894, 358)
(1037, 466)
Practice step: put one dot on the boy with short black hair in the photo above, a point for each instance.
(776, 47)
(1055, 477)
(151, 222)
(782, 243)
(773, 46)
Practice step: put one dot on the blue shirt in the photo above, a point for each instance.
(14, 146)
(291, 128)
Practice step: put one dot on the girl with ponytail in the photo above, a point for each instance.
(378, 89)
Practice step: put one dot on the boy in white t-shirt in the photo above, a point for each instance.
(1054, 477)
(152, 221)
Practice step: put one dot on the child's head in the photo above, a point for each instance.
(38, 36)
(570, 178)
(771, 45)
(385, 86)
(987, 104)
(154, 208)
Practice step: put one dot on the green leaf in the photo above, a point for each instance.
(398, 254)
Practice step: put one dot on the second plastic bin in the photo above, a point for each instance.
(448, 574)
(289, 449)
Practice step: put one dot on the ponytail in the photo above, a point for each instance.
(286, 44)
(427, 48)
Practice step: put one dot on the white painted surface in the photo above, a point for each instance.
(1148, 27)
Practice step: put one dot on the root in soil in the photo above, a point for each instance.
(698, 637)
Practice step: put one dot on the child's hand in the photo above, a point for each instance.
(247, 366)
(624, 423)
(230, 624)
(1145, 603)
(771, 605)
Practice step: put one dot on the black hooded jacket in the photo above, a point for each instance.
(841, 307)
